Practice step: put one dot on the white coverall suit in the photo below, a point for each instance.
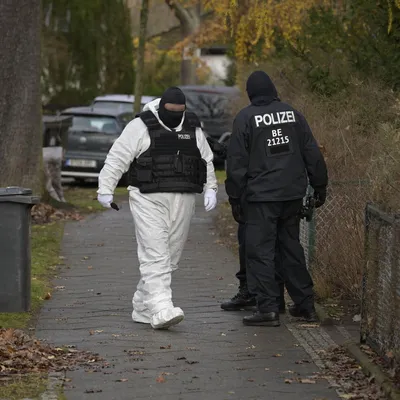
(161, 220)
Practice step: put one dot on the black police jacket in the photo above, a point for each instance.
(271, 153)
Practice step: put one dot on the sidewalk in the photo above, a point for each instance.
(211, 355)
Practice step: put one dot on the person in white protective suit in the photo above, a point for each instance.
(168, 161)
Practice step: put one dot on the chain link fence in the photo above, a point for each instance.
(333, 240)
(380, 316)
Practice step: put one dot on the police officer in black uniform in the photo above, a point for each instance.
(271, 153)
(243, 300)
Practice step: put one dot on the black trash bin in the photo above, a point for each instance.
(15, 248)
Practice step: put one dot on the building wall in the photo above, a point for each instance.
(161, 18)
(218, 65)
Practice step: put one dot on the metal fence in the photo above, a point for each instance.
(333, 241)
(380, 316)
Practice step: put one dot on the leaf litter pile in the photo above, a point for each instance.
(21, 354)
(44, 213)
(349, 377)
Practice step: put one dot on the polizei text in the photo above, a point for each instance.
(276, 118)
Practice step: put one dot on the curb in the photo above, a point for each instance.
(370, 369)
(323, 316)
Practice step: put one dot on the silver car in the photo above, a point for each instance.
(119, 102)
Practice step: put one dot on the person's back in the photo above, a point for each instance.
(271, 153)
(281, 149)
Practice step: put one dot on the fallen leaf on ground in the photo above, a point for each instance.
(309, 381)
(47, 296)
(165, 347)
(44, 213)
(288, 380)
(21, 354)
(346, 373)
(277, 355)
(160, 379)
(251, 380)
(122, 380)
(357, 318)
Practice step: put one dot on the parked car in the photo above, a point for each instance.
(120, 102)
(214, 105)
(90, 137)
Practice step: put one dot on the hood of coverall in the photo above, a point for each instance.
(260, 89)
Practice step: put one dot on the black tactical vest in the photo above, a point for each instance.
(173, 161)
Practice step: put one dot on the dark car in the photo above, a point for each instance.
(214, 105)
(90, 137)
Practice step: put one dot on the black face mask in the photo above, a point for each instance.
(172, 95)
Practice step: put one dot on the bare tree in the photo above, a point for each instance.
(20, 97)
(144, 13)
(189, 19)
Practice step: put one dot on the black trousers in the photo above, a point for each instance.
(241, 275)
(268, 225)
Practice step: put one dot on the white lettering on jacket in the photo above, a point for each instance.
(183, 136)
(280, 117)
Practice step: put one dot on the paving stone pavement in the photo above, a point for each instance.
(211, 355)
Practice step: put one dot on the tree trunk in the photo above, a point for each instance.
(144, 13)
(190, 19)
(20, 98)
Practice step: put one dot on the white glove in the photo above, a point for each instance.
(105, 200)
(210, 199)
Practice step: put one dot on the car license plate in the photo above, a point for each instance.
(82, 163)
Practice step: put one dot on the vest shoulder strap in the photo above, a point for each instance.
(192, 119)
(149, 119)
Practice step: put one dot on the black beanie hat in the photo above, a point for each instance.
(259, 84)
(172, 95)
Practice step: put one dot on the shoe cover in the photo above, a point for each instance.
(142, 318)
(167, 317)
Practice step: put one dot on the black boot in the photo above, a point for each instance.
(241, 301)
(262, 319)
(309, 314)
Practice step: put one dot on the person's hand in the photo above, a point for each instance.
(105, 200)
(237, 213)
(210, 199)
(216, 147)
(319, 197)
